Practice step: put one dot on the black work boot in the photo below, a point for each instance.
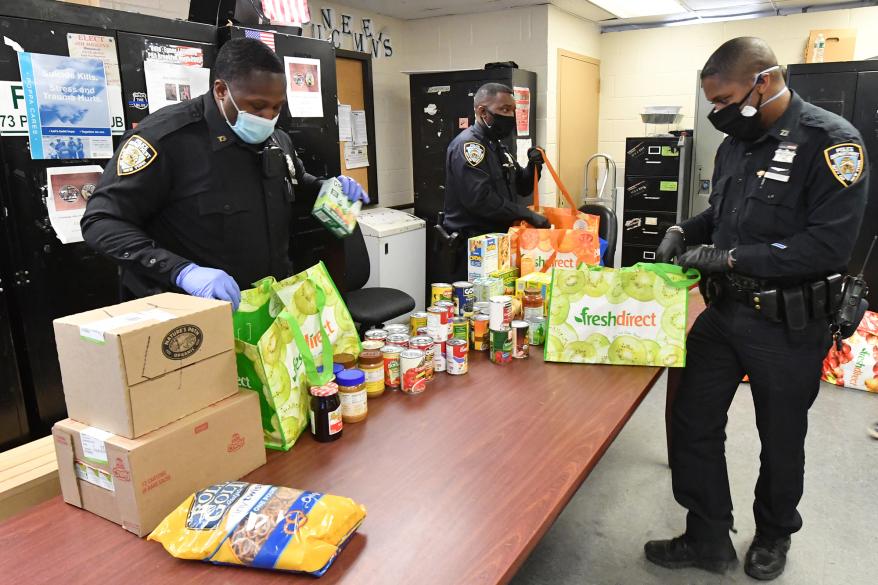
(766, 557)
(682, 552)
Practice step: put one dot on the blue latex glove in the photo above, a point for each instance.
(209, 283)
(604, 244)
(353, 190)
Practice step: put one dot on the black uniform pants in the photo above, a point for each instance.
(727, 341)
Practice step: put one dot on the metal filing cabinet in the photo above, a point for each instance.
(656, 193)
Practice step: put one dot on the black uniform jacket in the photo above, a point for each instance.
(483, 183)
(791, 202)
(182, 188)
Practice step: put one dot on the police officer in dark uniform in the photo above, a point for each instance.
(198, 196)
(789, 191)
(486, 190)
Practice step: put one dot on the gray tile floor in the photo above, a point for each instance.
(627, 500)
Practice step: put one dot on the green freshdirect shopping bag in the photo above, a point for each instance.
(297, 294)
(275, 360)
(632, 316)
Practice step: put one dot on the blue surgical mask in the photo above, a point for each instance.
(250, 128)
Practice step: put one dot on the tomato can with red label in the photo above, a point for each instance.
(391, 366)
(378, 334)
(423, 331)
(411, 371)
(450, 309)
(399, 339)
(456, 357)
(439, 358)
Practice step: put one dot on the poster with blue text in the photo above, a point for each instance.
(68, 110)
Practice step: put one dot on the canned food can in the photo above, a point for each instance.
(440, 291)
(373, 344)
(537, 331)
(450, 309)
(501, 344)
(399, 339)
(439, 356)
(425, 344)
(391, 366)
(482, 307)
(460, 328)
(501, 311)
(396, 328)
(436, 316)
(456, 362)
(520, 349)
(411, 371)
(441, 333)
(463, 296)
(480, 332)
(378, 334)
(416, 321)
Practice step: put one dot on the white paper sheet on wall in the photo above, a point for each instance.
(168, 83)
(356, 157)
(358, 121)
(345, 133)
(521, 148)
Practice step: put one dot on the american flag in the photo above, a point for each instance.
(287, 12)
(261, 35)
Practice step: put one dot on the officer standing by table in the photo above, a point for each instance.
(789, 191)
(486, 190)
(198, 197)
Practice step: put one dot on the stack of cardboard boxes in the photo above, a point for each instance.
(155, 410)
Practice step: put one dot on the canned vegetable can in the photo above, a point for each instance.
(456, 357)
(411, 371)
(416, 321)
(520, 349)
(479, 328)
(460, 328)
(501, 345)
(440, 291)
(391, 366)
(463, 296)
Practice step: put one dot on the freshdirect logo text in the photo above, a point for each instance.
(622, 319)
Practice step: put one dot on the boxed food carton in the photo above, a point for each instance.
(334, 210)
(487, 253)
(508, 275)
(134, 367)
(137, 482)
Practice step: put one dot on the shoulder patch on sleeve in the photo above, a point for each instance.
(135, 155)
(846, 162)
(473, 152)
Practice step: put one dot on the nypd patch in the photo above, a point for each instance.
(474, 153)
(135, 155)
(845, 161)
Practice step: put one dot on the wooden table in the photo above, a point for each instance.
(460, 483)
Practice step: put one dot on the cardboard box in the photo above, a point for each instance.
(839, 44)
(132, 368)
(487, 254)
(509, 276)
(137, 482)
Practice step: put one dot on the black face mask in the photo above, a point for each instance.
(733, 121)
(502, 126)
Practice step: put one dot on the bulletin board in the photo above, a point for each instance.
(354, 86)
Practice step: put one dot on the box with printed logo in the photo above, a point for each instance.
(134, 367)
(137, 482)
(486, 254)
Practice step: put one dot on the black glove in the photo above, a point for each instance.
(534, 156)
(673, 245)
(538, 221)
(706, 259)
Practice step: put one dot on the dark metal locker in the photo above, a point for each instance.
(14, 428)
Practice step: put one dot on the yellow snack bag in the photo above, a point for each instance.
(264, 526)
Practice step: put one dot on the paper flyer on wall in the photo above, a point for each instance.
(177, 54)
(358, 123)
(69, 190)
(85, 46)
(169, 83)
(344, 123)
(355, 157)
(522, 110)
(304, 89)
(67, 106)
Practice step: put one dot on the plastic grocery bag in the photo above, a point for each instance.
(275, 360)
(298, 295)
(856, 364)
(631, 316)
(263, 526)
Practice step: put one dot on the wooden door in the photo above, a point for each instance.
(578, 99)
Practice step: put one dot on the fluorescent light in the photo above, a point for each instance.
(638, 8)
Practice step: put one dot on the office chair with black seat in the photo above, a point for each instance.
(608, 228)
(373, 306)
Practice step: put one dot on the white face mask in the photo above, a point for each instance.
(250, 128)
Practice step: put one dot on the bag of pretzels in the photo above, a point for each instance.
(263, 526)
